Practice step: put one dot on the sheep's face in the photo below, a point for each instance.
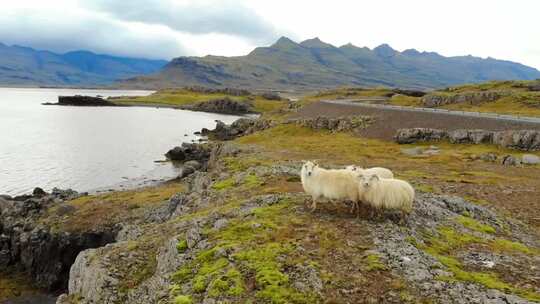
(367, 180)
(351, 168)
(309, 167)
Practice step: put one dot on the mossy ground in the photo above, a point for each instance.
(448, 242)
(253, 258)
(14, 284)
(103, 210)
(182, 97)
(452, 171)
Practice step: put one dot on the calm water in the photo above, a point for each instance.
(87, 148)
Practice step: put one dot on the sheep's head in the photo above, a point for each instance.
(308, 167)
(366, 180)
(351, 168)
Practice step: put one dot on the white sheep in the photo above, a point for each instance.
(379, 171)
(385, 193)
(330, 184)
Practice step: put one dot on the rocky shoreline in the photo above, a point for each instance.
(156, 253)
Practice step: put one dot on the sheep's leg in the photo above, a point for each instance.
(353, 206)
(314, 204)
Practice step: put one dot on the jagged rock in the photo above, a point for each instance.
(190, 151)
(240, 127)
(38, 192)
(67, 194)
(409, 136)
(530, 159)
(223, 106)
(91, 280)
(193, 236)
(193, 164)
(186, 171)
(176, 154)
(526, 140)
(44, 254)
(474, 98)
(510, 160)
(339, 124)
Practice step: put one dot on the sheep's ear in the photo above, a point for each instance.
(374, 177)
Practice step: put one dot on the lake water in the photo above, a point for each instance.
(88, 148)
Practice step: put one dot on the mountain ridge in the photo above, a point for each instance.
(26, 66)
(313, 63)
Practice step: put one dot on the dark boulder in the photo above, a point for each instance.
(411, 93)
(176, 154)
(81, 101)
(189, 151)
(223, 106)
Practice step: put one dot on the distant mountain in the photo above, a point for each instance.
(23, 66)
(315, 64)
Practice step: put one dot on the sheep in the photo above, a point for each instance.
(331, 184)
(385, 193)
(381, 172)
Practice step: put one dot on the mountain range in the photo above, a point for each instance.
(24, 66)
(316, 64)
(311, 64)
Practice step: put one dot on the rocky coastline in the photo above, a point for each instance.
(194, 245)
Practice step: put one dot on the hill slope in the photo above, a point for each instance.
(23, 66)
(315, 64)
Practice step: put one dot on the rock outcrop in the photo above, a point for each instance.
(223, 106)
(36, 249)
(189, 151)
(409, 136)
(473, 98)
(240, 127)
(339, 124)
(82, 101)
(411, 93)
(525, 140)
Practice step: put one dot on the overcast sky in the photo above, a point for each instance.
(502, 29)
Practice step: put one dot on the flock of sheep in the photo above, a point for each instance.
(375, 187)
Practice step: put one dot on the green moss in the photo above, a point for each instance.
(182, 246)
(231, 283)
(506, 245)
(252, 181)
(224, 184)
(374, 263)
(443, 246)
(182, 274)
(255, 255)
(473, 224)
(181, 299)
